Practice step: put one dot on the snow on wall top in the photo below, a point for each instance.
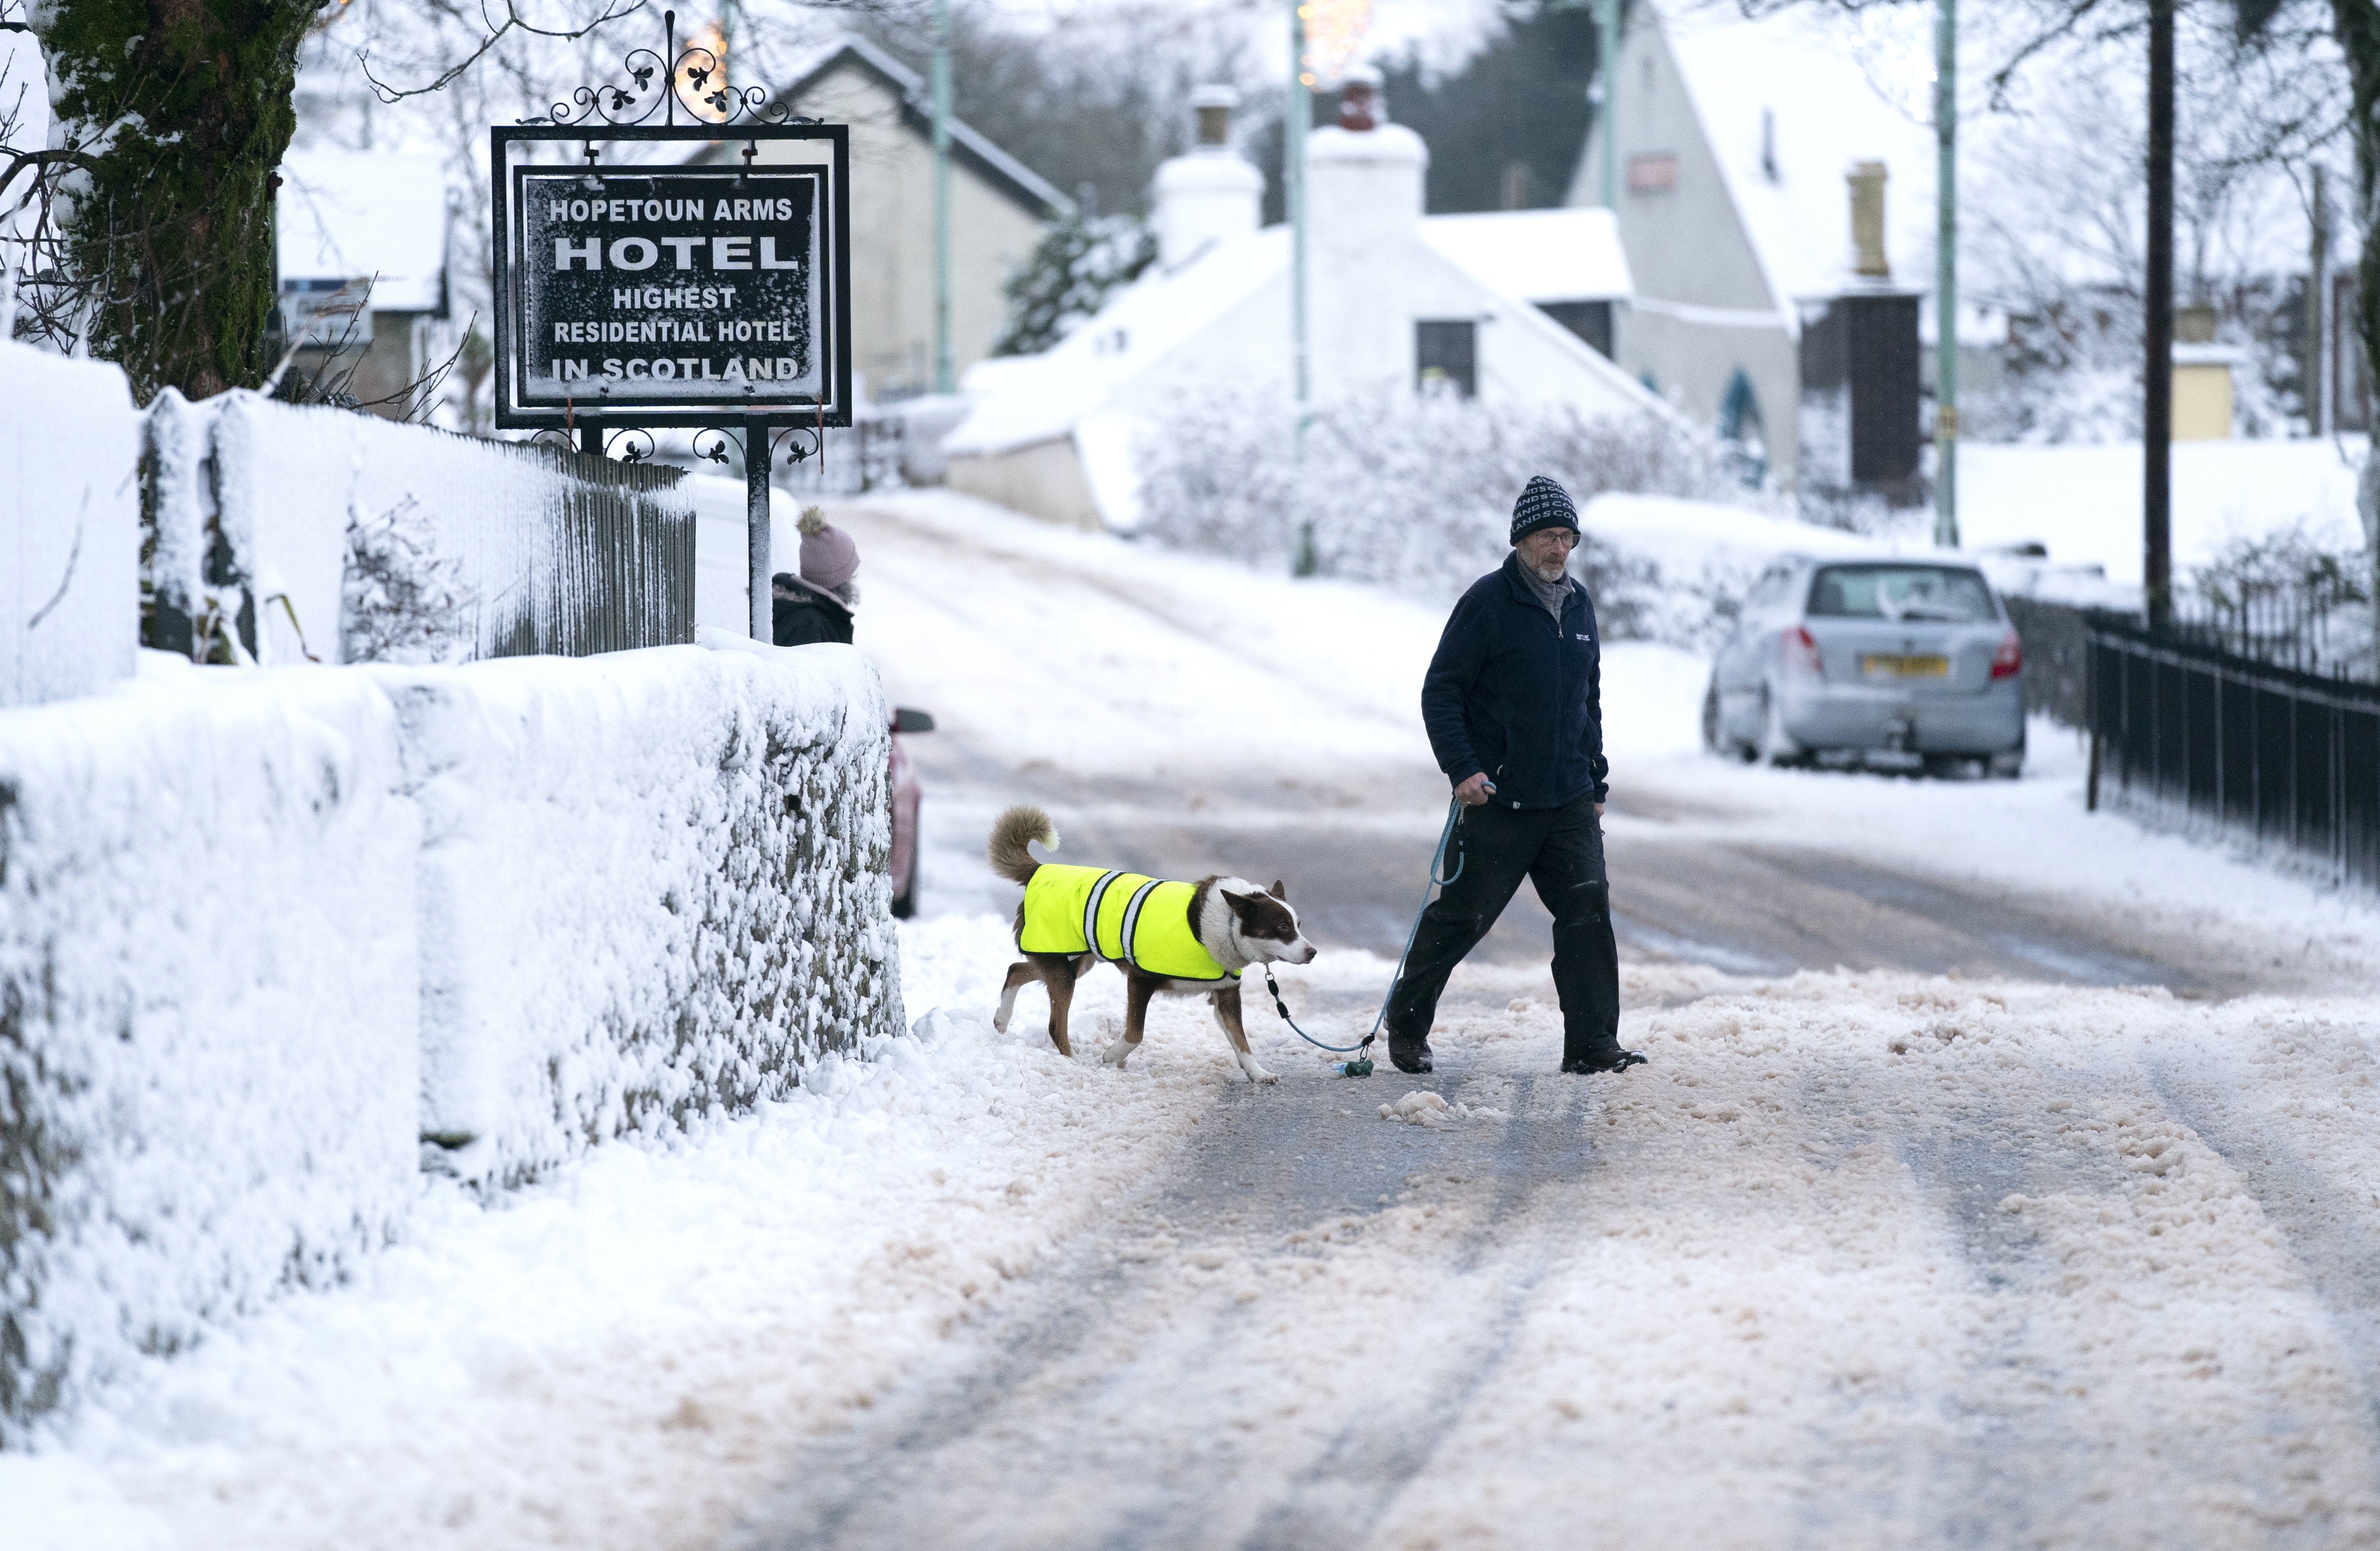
(69, 526)
(1788, 104)
(353, 214)
(1537, 255)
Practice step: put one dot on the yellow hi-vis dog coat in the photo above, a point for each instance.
(1122, 917)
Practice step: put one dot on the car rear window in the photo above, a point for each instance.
(1899, 592)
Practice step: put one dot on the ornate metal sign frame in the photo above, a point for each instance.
(514, 150)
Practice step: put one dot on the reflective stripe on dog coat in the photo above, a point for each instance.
(1130, 917)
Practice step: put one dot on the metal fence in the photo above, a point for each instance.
(2288, 758)
(622, 567)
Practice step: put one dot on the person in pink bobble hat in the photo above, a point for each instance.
(817, 605)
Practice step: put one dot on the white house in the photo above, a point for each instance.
(997, 205)
(1464, 304)
(1743, 149)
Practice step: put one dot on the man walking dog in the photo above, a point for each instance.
(1513, 705)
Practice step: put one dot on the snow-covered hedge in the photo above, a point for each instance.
(208, 1051)
(1415, 492)
(69, 526)
(263, 933)
(653, 884)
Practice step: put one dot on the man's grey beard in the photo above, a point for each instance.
(1549, 570)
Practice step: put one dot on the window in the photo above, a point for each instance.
(1652, 172)
(1591, 321)
(1890, 592)
(1446, 357)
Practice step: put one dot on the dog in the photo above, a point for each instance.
(1183, 939)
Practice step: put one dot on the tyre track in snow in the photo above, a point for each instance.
(1116, 1384)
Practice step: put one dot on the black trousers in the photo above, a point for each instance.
(1561, 852)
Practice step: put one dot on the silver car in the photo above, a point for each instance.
(1895, 662)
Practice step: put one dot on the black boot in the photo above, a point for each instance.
(1617, 1061)
(1411, 1055)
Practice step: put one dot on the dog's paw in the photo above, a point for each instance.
(1118, 1053)
(1258, 1074)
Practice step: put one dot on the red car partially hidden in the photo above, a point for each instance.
(906, 719)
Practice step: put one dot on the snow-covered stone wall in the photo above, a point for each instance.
(208, 1049)
(69, 526)
(272, 940)
(653, 884)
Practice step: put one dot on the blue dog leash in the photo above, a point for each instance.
(1453, 816)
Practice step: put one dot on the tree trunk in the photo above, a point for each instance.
(2357, 22)
(186, 107)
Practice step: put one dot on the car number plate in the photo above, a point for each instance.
(1906, 667)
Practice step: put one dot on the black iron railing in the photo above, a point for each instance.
(2284, 756)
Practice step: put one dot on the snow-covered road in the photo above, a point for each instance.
(1873, 1256)
(1858, 1260)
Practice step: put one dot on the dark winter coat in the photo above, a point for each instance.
(1512, 694)
(813, 616)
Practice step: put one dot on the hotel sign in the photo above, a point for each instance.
(659, 293)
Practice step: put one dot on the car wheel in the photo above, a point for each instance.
(904, 898)
(2009, 766)
(1946, 767)
(1775, 746)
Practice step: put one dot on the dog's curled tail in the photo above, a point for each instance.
(1010, 834)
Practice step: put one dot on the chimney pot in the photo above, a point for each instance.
(1214, 106)
(1868, 257)
(1359, 100)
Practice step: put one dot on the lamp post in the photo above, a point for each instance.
(945, 378)
(2157, 411)
(1300, 115)
(1607, 72)
(1946, 274)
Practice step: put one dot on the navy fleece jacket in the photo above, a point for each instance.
(1513, 693)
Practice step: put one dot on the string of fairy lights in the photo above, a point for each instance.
(1334, 33)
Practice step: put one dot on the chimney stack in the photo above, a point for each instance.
(1211, 195)
(1868, 260)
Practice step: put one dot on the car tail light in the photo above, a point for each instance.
(2010, 658)
(1802, 651)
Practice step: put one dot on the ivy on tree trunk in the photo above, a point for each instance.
(183, 107)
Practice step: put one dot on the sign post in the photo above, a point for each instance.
(638, 293)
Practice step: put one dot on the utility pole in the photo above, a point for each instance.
(2157, 411)
(1607, 76)
(1300, 118)
(2317, 391)
(945, 376)
(1946, 274)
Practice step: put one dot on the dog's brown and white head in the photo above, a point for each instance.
(1254, 925)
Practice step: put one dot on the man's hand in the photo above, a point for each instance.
(1598, 810)
(1472, 792)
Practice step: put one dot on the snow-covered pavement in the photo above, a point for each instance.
(1862, 1258)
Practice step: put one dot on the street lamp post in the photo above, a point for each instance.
(945, 379)
(1946, 276)
(1300, 116)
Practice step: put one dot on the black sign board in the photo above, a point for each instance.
(670, 294)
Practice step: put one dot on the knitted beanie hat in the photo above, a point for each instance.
(1542, 504)
(829, 557)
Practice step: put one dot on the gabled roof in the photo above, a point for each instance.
(1787, 103)
(1536, 255)
(356, 214)
(1013, 177)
